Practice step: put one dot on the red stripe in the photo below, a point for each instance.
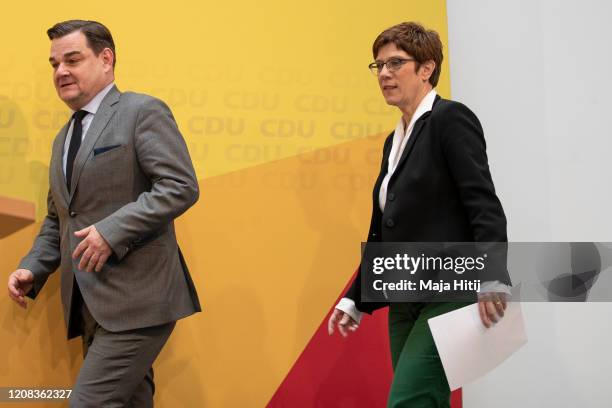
(338, 372)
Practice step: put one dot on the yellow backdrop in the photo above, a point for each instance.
(285, 126)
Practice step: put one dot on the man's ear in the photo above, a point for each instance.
(108, 57)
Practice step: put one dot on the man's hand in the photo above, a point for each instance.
(93, 248)
(343, 321)
(491, 306)
(20, 282)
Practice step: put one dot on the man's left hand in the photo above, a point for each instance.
(491, 306)
(93, 248)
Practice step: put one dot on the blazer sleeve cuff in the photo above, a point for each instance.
(348, 306)
(109, 231)
(494, 286)
(39, 278)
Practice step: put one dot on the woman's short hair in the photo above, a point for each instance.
(417, 41)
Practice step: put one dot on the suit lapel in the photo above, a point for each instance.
(416, 132)
(57, 162)
(102, 117)
(386, 154)
(383, 170)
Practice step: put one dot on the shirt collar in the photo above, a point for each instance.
(425, 106)
(93, 105)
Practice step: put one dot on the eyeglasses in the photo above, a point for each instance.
(393, 64)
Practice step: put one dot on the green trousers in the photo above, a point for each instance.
(418, 376)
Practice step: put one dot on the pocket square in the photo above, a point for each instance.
(103, 149)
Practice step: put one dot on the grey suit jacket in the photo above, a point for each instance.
(132, 177)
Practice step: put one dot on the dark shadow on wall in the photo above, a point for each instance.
(27, 182)
(585, 269)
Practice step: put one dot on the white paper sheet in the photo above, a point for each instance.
(468, 349)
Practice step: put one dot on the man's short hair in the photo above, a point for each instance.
(417, 41)
(98, 36)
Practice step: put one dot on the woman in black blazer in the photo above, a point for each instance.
(434, 186)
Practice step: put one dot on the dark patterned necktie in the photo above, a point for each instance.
(75, 143)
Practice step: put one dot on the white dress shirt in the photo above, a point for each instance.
(91, 108)
(400, 139)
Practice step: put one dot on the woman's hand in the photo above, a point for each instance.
(491, 306)
(344, 322)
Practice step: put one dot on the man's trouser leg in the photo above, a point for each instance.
(117, 370)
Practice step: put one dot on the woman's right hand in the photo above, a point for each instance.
(344, 322)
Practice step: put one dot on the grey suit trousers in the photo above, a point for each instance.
(117, 368)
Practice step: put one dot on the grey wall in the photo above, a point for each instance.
(537, 74)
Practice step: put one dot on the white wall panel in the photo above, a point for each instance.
(538, 75)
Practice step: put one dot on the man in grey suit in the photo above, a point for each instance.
(120, 173)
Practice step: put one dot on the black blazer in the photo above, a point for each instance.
(441, 190)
